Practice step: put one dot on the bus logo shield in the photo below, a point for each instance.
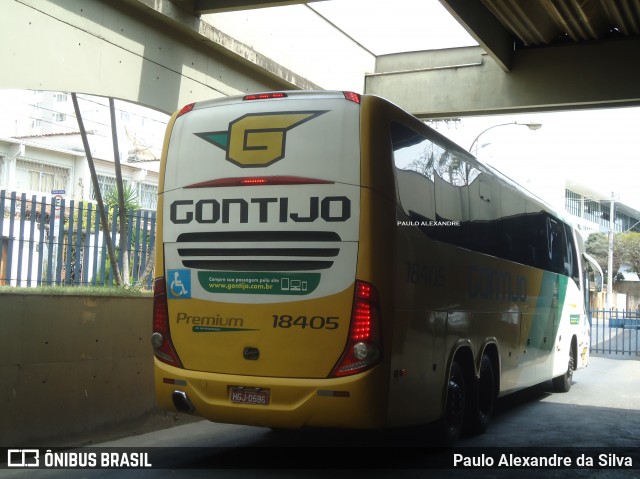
(257, 140)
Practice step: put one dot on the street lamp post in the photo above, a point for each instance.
(531, 126)
(609, 302)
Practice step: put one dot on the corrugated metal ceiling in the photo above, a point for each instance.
(548, 22)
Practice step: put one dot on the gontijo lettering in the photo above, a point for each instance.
(240, 210)
(493, 284)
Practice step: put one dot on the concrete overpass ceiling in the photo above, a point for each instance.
(505, 26)
(541, 55)
(550, 55)
(527, 39)
(501, 26)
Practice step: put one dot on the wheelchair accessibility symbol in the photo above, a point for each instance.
(179, 281)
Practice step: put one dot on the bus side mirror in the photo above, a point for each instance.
(599, 276)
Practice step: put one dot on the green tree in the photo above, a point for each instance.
(131, 200)
(626, 249)
(629, 246)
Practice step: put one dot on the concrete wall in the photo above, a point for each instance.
(632, 291)
(626, 295)
(456, 82)
(152, 52)
(72, 365)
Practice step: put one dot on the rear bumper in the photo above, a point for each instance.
(357, 401)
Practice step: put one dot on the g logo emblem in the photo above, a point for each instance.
(257, 140)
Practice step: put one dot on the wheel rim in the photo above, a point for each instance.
(485, 393)
(570, 370)
(455, 402)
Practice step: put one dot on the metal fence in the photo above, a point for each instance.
(45, 242)
(615, 332)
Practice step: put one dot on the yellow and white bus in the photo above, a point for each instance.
(326, 259)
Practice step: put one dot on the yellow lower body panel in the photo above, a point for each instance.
(357, 402)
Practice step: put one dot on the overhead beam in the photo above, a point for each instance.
(485, 29)
(466, 81)
(218, 6)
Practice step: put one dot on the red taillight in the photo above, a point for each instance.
(260, 180)
(161, 337)
(160, 313)
(264, 96)
(186, 109)
(362, 317)
(351, 96)
(363, 346)
(253, 181)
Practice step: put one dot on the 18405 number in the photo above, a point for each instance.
(425, 274)
(287, 321)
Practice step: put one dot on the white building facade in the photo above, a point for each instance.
(41, 150)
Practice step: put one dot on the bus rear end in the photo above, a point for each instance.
(259, 317)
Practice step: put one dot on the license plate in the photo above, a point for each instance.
(255, 396)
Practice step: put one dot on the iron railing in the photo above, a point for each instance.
(45, 242)
(615, 332)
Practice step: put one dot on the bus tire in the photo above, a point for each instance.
(562, 384)
(453, 418)
(484, 397)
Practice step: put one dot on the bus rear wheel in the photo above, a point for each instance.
(453, 419)
(562, 384)
(484, 397)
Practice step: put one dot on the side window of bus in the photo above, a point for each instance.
(572, 256)
(452, 180)
(453, 168)
(414, 176)
(433, 183)
(410, 150)
(562, 254)
(555, 239)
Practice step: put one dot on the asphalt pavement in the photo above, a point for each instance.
(595, 426)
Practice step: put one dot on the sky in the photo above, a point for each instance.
(393, 26)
